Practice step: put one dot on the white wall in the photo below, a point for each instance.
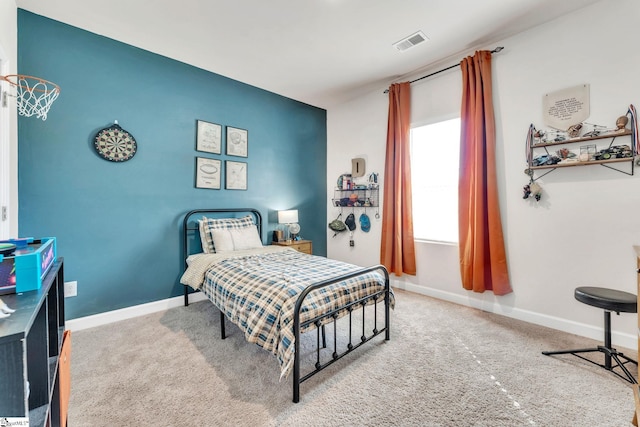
(583, 229)
(356, 129)
(9, 179)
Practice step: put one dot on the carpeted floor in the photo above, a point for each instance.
(446, 365)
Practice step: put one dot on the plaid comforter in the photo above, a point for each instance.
(258, 292)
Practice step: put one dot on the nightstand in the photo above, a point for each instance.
(304, 246)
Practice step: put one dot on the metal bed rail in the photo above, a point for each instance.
(334, 314)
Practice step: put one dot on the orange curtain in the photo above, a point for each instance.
(483, 261)
(397, 252)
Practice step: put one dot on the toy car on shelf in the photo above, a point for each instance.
(614, 152)
(545, 159)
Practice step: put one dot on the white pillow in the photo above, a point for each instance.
(222, 240)
(245, 238)
(236, 239)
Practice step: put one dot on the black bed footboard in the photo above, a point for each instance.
(353, 343)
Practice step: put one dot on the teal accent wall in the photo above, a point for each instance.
(118, 224)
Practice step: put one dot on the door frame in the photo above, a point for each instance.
(5, 150)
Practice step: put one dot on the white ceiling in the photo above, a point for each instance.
(320, 52)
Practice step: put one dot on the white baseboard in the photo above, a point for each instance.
(589, 331)
(618, 338)
(130, 312)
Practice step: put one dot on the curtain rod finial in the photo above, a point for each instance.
(497, 49)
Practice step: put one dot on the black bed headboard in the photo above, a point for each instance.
(190, 229)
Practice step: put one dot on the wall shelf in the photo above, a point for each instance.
(365, 197)
(605, 162)
(590, 162)
(582, 139)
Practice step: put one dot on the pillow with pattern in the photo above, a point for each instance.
(207, 225)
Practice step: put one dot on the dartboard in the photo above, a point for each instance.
(115, 144)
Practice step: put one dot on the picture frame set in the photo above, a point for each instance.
(208, 137)
(208, 171)
(236, 175)
(237, 142)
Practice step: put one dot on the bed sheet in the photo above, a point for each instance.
(257, 290)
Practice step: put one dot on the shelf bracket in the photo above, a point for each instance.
(530, 172)
(619, 170)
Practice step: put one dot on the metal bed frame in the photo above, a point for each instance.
(191, 229)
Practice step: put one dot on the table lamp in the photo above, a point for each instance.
(290, 219)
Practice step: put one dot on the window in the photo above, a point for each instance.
(435, 156)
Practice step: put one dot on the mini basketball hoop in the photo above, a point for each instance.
(33, 94)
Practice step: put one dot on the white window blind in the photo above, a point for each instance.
(435, 155)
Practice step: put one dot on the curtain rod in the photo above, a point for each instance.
(496, 50)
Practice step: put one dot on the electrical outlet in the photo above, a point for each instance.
(352, 243)
(70, 289)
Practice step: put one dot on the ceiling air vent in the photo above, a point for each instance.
(410, 41)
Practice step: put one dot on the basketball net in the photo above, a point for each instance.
(34, 95)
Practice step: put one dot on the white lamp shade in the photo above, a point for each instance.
(288, 217)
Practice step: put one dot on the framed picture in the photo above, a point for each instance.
(209, 137)
(236, 178)
(208, 173)
(237, 142)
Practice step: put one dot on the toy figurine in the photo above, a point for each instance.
(621, 123)
(532, 189)
(536, 190)
(574, 131)
(539, 136)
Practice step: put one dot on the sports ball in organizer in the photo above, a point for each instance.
(115, 144)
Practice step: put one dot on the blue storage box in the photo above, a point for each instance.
(26, 268)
